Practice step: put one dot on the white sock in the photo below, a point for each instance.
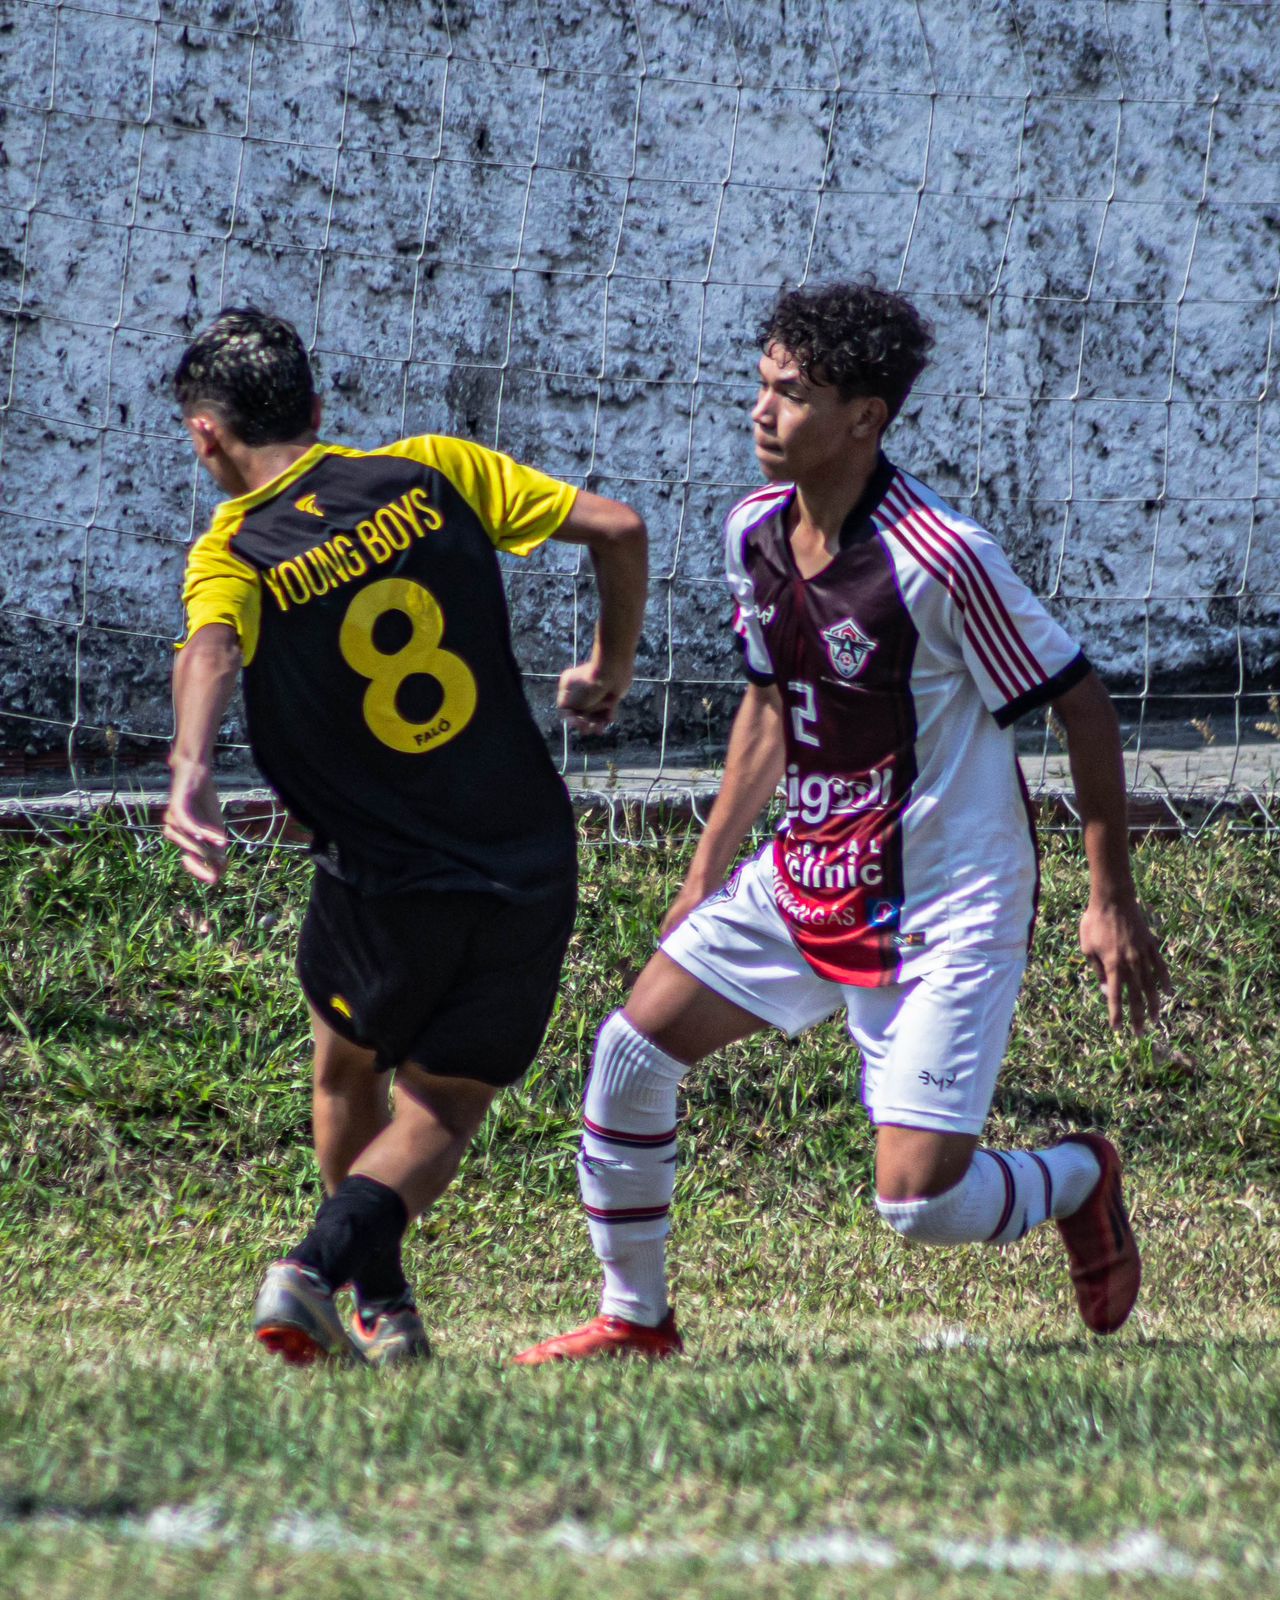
(635, 1282)
(1003, 1195)
(627, 1167)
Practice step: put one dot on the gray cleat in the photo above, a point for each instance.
(391, 1338)
(294, 1316)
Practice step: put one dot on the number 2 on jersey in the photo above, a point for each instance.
(804, 716)
(420, 656)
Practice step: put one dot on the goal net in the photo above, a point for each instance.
(551, 225)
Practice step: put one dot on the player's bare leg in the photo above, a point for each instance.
(914, 1163)
(295, 1315)
(626, 1167)
(358, 1230)
(350, 1101)
(414, 1159)
(434, 1120)
(682, 1016)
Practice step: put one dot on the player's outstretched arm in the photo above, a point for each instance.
(1114, 934)
(752, 770)
(204, 678)
(615, 535)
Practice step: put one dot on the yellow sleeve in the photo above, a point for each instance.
(519, 507)
(219, 587)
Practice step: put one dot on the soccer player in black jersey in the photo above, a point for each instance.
(358, 595)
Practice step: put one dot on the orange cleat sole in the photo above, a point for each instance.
(296, 1348)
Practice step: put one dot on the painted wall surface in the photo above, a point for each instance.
(551, 225)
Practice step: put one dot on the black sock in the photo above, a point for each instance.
(356, 1236)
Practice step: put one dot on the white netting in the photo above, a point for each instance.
(551, 224)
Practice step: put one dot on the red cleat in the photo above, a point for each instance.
(607, 1336)
(1105, 1265)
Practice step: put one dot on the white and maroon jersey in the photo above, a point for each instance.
(901, 666)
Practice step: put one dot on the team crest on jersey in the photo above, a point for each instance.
(848, 647)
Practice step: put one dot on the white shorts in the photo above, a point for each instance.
(931, 1047)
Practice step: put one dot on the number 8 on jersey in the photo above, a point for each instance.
(420, 655)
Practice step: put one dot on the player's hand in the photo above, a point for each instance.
(589, 694)
(1125, 954)
(193, 821)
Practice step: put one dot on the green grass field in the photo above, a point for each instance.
(854, 1416)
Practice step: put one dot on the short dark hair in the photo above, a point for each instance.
(863, 340)
(252, 369)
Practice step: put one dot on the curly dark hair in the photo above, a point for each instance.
(864, 340)
(252, 369)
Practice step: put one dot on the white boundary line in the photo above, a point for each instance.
(1138, 1553)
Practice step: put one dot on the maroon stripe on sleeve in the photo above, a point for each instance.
(949, 552)
(912, 537)
(986, 588)
(996, 661)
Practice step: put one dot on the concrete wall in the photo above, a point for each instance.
(550, 224)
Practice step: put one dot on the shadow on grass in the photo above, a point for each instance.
(1032, 1106)
(19, 1508)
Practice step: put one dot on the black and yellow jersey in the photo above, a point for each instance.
(384, 702)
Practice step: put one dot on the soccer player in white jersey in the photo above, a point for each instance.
(888, 649)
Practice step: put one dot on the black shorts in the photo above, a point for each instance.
(461, 984)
